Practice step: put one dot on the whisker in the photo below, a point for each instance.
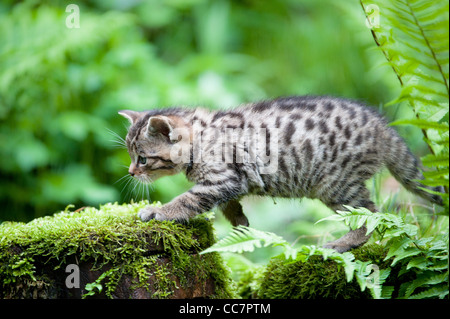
(136, 183)
(146, 193)
(121, 179)
(120, 138)
(149, 183)
(139, 191)
(130, 180)
(144, 186)
(138, 188)
(129, 193)
(117, 140)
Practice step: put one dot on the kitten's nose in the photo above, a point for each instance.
(131, 169)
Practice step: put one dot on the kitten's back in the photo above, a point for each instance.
(329, 146)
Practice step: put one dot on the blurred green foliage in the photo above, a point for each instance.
(61, 88)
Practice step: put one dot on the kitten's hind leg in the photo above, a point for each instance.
(357, 237)
(234, 213)
(353, 239)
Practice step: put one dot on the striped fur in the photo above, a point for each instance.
(327, 149)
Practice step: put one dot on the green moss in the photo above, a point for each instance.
(112, 242)
(249, 282)
(316, 278)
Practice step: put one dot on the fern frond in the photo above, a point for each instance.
(435, 160)
(424, 124)
(440, 291)
(435, 281)
(244, 238)
(414, 37)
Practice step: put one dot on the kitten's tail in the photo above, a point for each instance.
(405, 167)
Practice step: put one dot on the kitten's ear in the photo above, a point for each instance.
(132, 116)
(159, 124)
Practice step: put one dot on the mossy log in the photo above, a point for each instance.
(317, 278)
(109, 253)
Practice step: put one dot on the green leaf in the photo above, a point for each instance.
(440, 291)
(419, 262)
(397, 247)
(335, 217)
(244, 238)
(405, 253)
(435, 160)
(93, 288)
(373, 222)
(424, 124)
(349, 266)
(428, 279)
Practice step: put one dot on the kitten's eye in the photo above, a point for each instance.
(142, 160)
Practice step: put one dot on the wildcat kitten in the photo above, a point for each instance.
(315, 147)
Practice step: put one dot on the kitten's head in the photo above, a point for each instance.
(153, 142)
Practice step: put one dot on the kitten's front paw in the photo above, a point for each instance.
(150, 212)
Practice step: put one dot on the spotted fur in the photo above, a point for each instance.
(327, 148)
